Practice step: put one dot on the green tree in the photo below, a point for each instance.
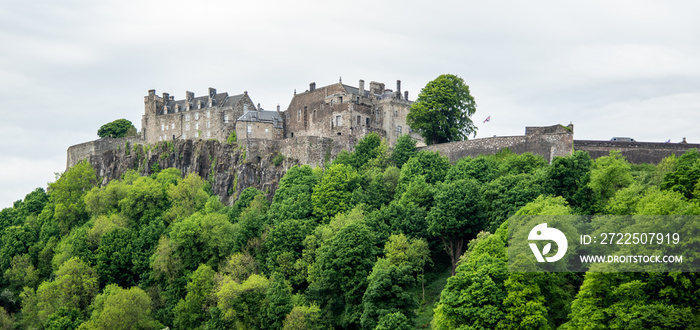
(394, 321)
(66, 194)
(117, 308)
(244, 303)
(474, 296)
(404, 149)
(333, 194)
(189, 312)
(441, 112)
(293, 197)
(243, 202)
(304, 318)
(116, 129)
(114, 258)
(339, 275)
(610, 174)
(366, 149)
(456, 216)
(685, 176)
(279, 296)
(387, 292)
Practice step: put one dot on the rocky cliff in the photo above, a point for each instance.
(225, 166)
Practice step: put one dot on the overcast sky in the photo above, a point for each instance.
(613, 68)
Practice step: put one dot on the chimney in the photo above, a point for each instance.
(398, 87)
(151, 92)
(259, 108)
(212, 92)
(376, 88)
(166, 97)
(278, 108)
(362, 87)
(189, 96)
(405, 95)
(172, 98)
(312, 86)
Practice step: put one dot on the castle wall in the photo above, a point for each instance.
(83, 151)
(634, 152)
(548, 142)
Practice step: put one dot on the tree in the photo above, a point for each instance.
(279, 296)
(441, 112)
(189, 311)
(116, 129)
(333, 194)
(405, 149)
(456, 216)
(340, 273)
(387, 292)
(118, 308)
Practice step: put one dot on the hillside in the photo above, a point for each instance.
(367, 242)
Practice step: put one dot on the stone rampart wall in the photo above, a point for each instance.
(635, 152)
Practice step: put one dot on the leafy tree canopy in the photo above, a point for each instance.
(441, 112)
(116, 129)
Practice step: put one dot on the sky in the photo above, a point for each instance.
(612, 68)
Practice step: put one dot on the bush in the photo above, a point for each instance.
(278, 159)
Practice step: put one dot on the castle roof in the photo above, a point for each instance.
(354, 90)
(220, 100)
(263, 116)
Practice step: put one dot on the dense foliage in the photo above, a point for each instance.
(116, 129)
(441, 112)
(380, 239)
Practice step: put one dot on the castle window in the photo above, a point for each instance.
(187, 117)
(359, 120)
(208, 124)
(331, 102)
(172, 126)
(340, 99)
(358, 100)
(184, 136)
(267, 130)
(245, 108)
(225, 118)
(337, 120)
(208, 134)
(250, 129)
(196, 116)
(299, 115)
(187, 126)
(162, 127)
(209, 114)
(292, 134)
(367, 121)
(398, 129)
(199, 105)
(396, 113)
(196, 126)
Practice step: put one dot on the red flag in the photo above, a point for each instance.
(488, 119)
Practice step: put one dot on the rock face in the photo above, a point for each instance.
(225, 165)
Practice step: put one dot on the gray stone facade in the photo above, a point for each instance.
(548, 142)
(207, 117)
(340, 111)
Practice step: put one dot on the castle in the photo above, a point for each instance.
(337, 111)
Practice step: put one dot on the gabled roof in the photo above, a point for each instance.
(220, 100)
(354, 90)
(263, 116)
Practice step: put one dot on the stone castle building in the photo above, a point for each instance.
(340, 110)
(206, 117)
(335, 111)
